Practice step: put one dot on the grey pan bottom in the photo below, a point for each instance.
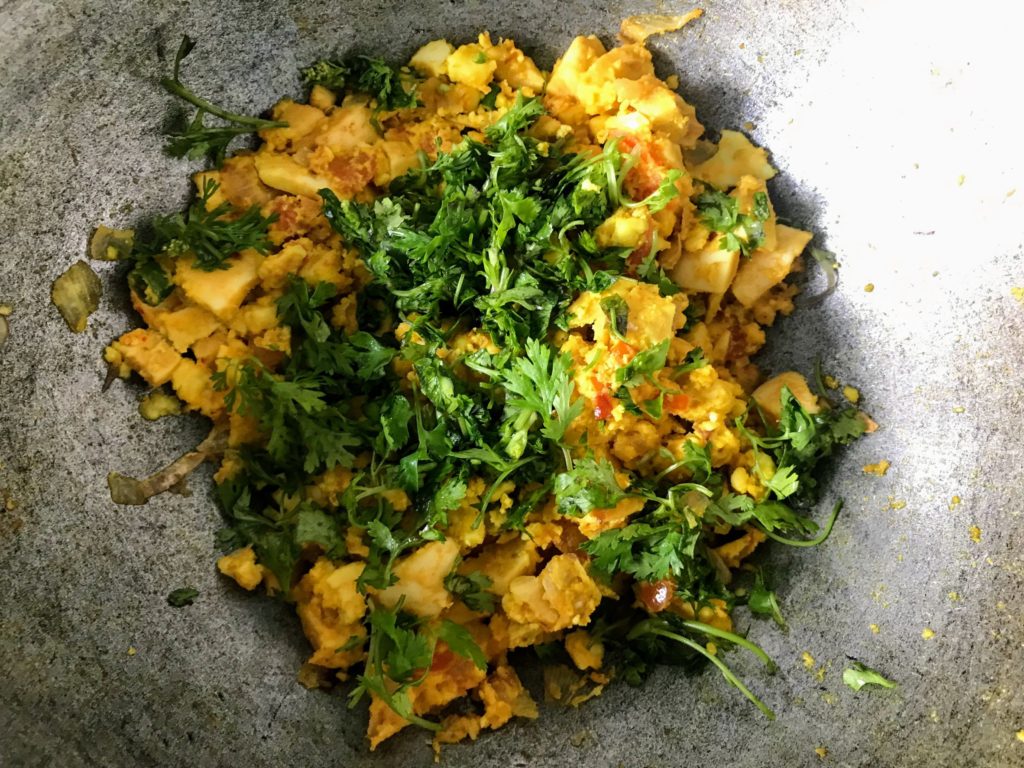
(873, 113)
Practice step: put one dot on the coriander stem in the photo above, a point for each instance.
(567, 457)
(176, 88)
(819, 539)
(727, 673)
(490, 491)
(732, 637)
(430, 725)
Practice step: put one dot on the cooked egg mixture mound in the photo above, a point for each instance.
(476, 339)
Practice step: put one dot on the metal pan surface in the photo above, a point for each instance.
(895, 127)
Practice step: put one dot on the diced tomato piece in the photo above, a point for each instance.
(624, 351)
(649, 166)
(443, 658)
(603, 402)
(678, 402)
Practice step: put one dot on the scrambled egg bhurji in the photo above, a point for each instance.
(476, 342)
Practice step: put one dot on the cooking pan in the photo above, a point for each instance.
(895, 127)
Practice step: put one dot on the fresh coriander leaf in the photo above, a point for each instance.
(409, 653)
(315, 526)
(150, 280)
(695, 312)
(353, 221)
(846, 426)
(763, 601)
(499, 230)
(649, 550)
(385, 547)
(617, 311)
(516, 519)
(697, 461)
(293, 414)
(646, 363)
(717, 210)
(796, 425)
(777, 516)
(383, 537)
(274, 402)
(783, 483)
(541, 383)
(179, 598)
(520, 116)
(738, 510)
(589, 485)
(720, 212)
(276, 549)
(461, 642)
(661, 627)
(471, 588)
(298, 307)
(365, 358)
(383, 82)
(329, 74)
(447, 499)
(622, 393)
(326, 442)
(858, 675)
(490, 100)
(694, 359)
(214, 235)
(801, 441)
(761, 211)
(228, 539)
(398, 657)
(449, 397)
(654, 406)
(260, 523)
(666, 192)
(394, 420)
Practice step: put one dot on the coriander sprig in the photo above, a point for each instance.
(366, 74)
(720, 212)
(198, 139)
(660, 627)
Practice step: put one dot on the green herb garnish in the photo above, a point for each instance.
(720, 212)
(209, 236)
(763, 601)
(199, 140)
(179, 598)
(859, 675)
(367, 75)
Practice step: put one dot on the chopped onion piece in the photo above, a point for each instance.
(128, 490)
(111, 244)
(76, 294)
(830, 266)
